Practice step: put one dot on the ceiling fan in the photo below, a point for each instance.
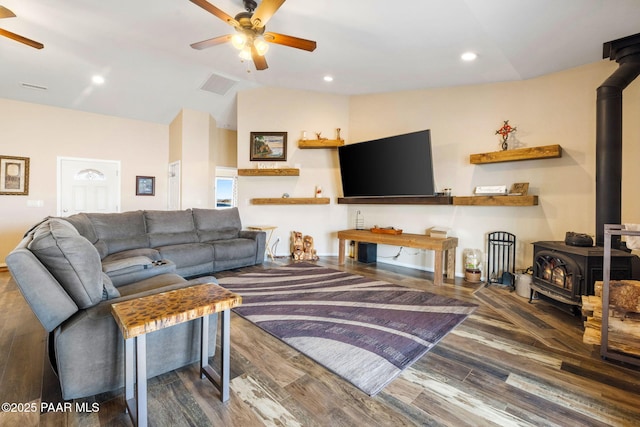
(250, 37)
(6, 13)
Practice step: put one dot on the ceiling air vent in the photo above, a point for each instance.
(218, 84)
(33, 86)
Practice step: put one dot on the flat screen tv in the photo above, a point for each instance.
(399, 165)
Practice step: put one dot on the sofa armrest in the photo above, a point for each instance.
(261, 241)
(49, 301)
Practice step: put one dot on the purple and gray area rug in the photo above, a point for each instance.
(367, 331)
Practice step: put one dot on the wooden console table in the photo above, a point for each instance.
(137, 317)
(444, 248)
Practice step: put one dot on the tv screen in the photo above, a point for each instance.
(394, 166)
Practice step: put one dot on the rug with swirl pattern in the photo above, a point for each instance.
(367, 331)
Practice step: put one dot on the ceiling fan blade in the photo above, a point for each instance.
(298, 43)
(6, 13)
(259, 60)
(211, 42)
(215, 11)
(21, 39)
(264, 12)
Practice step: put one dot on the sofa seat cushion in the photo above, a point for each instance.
(150, 253)
(126, 265)
(170, 227)
(119, 231)
(224, 250)
(137, 272)
(187, 254)
(71, 259)
(217, 224)
(151, 285)
(161, 283)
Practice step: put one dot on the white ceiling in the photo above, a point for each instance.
(142, 48)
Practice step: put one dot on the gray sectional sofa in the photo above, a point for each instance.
(70, 270)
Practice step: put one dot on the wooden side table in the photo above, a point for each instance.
(138, 317)
(270, 229)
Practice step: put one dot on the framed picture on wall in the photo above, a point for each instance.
(145, 185)
(14, 175)
(271, 146)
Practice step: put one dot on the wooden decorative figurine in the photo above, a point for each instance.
(302, 247)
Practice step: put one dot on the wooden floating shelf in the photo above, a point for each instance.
(496, 201)
(320, 143)
(429, 200)
(292, 201)
(269, 172)
(533, 153)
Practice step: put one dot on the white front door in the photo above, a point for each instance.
(87, 185)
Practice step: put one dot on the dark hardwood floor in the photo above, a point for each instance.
(509, 364)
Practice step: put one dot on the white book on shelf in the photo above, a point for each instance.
(490, 190)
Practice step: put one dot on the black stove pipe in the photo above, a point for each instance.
(609, 133)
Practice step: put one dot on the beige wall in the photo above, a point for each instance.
(553, 109)
(43, 133)
(175, 139)
(270, 109)
(227, 148)
(193, 134)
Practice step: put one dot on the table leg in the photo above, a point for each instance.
(221, 380)
(341, 249)
(225, 345)
(450, 263)
(129, 383)
(269, 253)
(204, 345)
(141, 380)
(135, 393)
(438, 270)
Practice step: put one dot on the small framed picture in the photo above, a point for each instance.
(145, 185)
(14, 175)
(519, 189)
(270, 146)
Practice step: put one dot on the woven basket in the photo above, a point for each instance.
(472, 276)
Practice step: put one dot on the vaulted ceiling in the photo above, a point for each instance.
(142, 49)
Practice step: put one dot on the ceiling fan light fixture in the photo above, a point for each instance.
(261, 46)
(245, 53)
(251, 38)
(239, 41)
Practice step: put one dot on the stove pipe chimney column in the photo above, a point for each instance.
(626, 52)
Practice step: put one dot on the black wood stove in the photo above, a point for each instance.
(564, 273)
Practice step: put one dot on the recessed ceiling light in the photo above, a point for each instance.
(468, 56)
(98, 80)
(328, 78)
